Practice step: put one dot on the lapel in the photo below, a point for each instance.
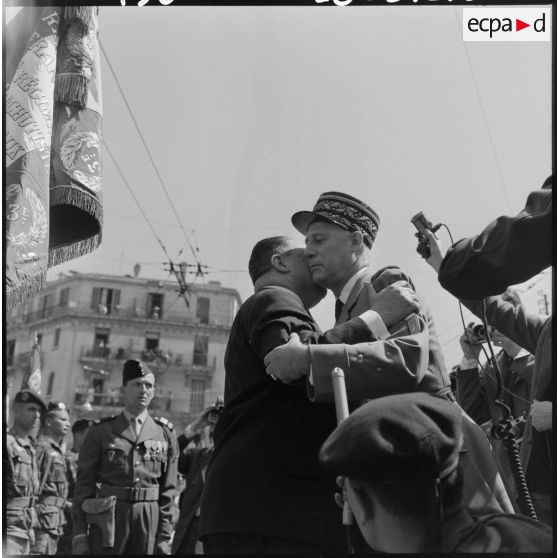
(148, 431)
(354, 295)
(121, 427)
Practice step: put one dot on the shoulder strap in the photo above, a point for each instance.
(388, 275)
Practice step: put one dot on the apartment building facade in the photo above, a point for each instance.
(89, 324)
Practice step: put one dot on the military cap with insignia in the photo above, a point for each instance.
(134, 369)
(342, 210)
(412, 435)
(30, 396)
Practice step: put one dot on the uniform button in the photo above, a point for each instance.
(137, 463)
(137, 480)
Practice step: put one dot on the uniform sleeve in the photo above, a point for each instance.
(167, 489)
(508, 251)
(41, 454)
(379, 367)
(513, 321)
(395, 365)
(88, 464)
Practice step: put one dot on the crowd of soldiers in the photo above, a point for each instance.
(417, 473)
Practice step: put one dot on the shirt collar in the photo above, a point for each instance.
(346, 290)
(140, 418)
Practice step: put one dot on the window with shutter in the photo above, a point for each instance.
(96, 298)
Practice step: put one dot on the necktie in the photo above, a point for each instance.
(136, 426)
(338, 307)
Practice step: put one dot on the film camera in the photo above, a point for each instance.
(216, 410)
(478, 333)
(422, 224)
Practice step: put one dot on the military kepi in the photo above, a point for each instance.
(412, 435)
(342, 210)
(134, 369)
(30, 396)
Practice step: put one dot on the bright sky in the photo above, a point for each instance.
(251, 112)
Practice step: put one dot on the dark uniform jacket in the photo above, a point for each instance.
(21, 485)
(264, 477)
(503, 533)
(508, 251)
(53, 477)
(128, 467)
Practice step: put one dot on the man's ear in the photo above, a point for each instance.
(357, 240)
(364, 501)
(278, 263)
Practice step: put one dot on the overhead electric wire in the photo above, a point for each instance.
(485, 118)
(134, 197)
(161, 181)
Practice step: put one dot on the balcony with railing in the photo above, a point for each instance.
(118, 311)
(158, 360)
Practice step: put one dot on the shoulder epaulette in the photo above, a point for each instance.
(392, 273)
(163, 421)
(103, 419)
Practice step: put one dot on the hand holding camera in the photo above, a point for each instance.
(472, 339)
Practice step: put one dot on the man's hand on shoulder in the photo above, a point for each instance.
(395, 302)
(288, 362)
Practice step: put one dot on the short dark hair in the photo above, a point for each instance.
(263, 251)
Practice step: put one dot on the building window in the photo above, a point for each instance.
(10, 352)
(202, 312)
(151, 350)
(152, 340)
(197, 396)
(64, 297)
(155, 305)
(201, 347)
(50, 384)
(104, 300)
(56, 341)
(45, 306)
(101, 342)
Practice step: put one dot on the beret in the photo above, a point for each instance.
(30, 396)
(412, 435)
(82, 424)
(342, 210)
(134, 369)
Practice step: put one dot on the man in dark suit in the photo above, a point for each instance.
(130, 458)
(264, 489)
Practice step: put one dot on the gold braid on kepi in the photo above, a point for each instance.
(342, 210)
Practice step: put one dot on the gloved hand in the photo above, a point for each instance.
(80, 545)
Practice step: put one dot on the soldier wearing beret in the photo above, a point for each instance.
(400, 455)
(405, 357)
(53, 479)
(22, 474)
(79, 430)
(126, 478)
